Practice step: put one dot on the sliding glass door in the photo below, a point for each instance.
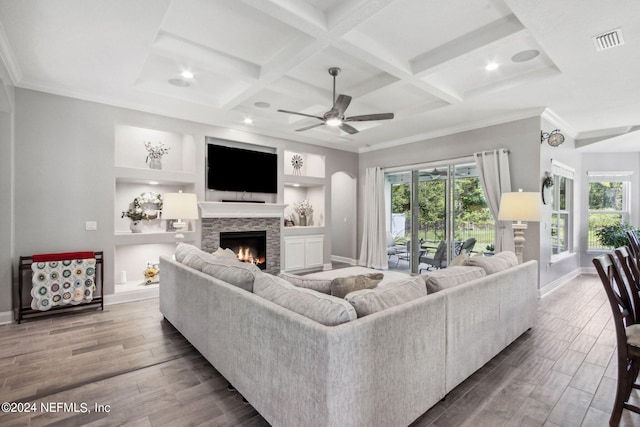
(435, 212)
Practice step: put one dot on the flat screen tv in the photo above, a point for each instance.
(237, 169)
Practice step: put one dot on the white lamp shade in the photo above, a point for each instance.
(519, 206)
(179, 206)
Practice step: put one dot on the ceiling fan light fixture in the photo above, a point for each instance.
(335, 121)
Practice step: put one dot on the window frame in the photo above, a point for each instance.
(560, 171)
(623, 177)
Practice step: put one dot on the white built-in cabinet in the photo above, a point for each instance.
(303, 252)
(303, 245)
(133, 177)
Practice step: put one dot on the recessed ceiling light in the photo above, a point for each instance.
(247, 121)
(262, 104)
(153, 183)
(179, 82)
(525, 55)
(491, 66)
(187, 74)
(296, 185)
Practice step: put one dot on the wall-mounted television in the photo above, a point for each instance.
(238, 169)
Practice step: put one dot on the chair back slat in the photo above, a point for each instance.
(630, 275)
(634, 244)
(617, 293)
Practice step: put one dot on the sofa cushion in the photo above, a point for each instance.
(368, 301)
(314, 305)
(493, 264)
(459, 260)
(341, 286)
(449, 277)
(226, 252)
(192, 256)
(230, 270)
(320, 285)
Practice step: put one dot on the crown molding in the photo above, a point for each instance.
(560, 123)
(527, 114)
(8, 58)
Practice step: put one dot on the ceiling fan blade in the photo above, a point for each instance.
(309, 127)
(341, 104)
(348, 129)
(367, 117)
(300, 114)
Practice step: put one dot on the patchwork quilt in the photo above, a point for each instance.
(62, 282)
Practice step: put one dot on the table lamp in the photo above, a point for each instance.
(519, 207)
(179, 206)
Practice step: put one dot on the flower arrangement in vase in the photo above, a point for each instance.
(303, 208)
(154, 154)
(136, 213)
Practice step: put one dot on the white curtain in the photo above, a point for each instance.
(373, 251)
(493, 170)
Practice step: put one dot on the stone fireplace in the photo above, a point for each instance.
(249, 246)
(221, 217)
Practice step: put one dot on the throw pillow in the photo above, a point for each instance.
(341, 286)
(226, 252)
(319, 285)
(316, 306)
(459, 260)
(369, 301)
(498, 262)
(450, 277)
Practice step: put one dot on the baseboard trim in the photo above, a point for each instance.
(131, 296)
(6, 317)
(349, 261)
(558, 283)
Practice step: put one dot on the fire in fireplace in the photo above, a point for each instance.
(249, 246)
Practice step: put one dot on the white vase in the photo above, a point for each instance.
(136, 226)
(154, 163)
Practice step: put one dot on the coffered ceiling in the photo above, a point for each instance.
(423, 60)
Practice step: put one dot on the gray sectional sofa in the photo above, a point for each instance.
(382, 369)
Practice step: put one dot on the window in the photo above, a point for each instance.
(562, 209)
(608, 202)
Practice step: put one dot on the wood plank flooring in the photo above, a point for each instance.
(131, 361)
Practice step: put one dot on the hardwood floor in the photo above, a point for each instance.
(560, 373)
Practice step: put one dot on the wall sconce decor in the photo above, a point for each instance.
(554, 138)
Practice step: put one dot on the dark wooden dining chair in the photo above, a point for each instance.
(634, 244)
(620, 295)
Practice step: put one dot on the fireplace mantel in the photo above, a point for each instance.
(241, 210)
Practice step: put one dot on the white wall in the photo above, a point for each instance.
(64, 163)
(344, 214)
(6, 211)
(569, 156)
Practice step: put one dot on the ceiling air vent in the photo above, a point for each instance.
(608, 40)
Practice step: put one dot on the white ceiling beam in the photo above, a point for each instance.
(430, 61)
(346, 16)
(367, 50)
(299, 15)
(172, 47)
(8, 59)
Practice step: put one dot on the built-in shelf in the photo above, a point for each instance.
(133, 177)
(145, 176)
(301, 231)
(124, 238)
(303, 181)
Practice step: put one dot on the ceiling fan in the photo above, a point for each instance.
(335, 116)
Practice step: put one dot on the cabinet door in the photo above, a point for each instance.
(294, 249)
(314, 251)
